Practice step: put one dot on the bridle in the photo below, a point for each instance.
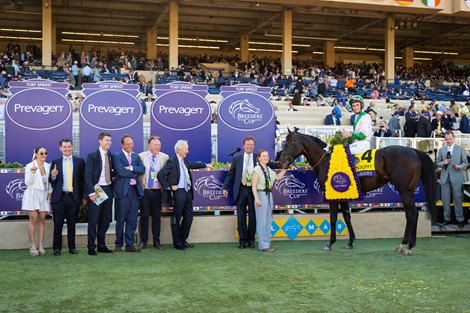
(290, 159)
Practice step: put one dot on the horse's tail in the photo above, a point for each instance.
(428, 179)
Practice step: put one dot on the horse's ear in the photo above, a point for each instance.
(288, 130)
(296, 129)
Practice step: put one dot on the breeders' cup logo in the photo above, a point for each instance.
(245, 112)
(317, 186)
(291, 187)
(209, 187)
(111, 110)
(38, 109)
(376, 192)
(392, 187)
(181, 110)
(15, 189)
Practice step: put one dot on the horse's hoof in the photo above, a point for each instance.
(327, 248)
(400, 248)
(406, 252)
(349, 246)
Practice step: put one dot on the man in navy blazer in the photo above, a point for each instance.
(176, 176)
(127, 190)
(99, 171)
(240, 175)
(66, 195)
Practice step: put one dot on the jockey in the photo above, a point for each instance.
(362, 129)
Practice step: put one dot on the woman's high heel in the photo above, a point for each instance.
(33, 251)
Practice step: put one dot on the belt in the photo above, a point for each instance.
(152, 190)
(67, 193)
(261, 190)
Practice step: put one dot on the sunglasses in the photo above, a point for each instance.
(43, 153)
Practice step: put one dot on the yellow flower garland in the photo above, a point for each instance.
(339, 173)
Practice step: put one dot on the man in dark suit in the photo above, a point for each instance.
(151, 204)
(99, 171)
(239, 176)
(383, 131)
(332, 119)
(128, 166)
(66, 178)
(176, 176)
(440, 124)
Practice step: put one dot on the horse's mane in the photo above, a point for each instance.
(317, 140)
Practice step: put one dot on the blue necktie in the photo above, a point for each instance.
(152, 170)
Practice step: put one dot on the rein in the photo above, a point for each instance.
(324, 153)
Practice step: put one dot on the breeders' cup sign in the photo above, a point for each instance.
(12, 187)
(244, 111)
(181, 114)
(110, 107)
(36, 116)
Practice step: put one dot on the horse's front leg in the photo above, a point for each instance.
(347, 220)
(333, 219)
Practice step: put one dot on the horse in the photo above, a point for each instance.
(402, 166)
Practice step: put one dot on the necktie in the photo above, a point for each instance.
(185, 176)
(152, 173)
(245, 170)
(130, 163)
(107, 169)
(68, 174)
(438, 126)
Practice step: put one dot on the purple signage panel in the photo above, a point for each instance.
(36, 117)
(12, 187)
(113, 111)
(208, 186)
(183, 86)
(244, 114)
(183, 115)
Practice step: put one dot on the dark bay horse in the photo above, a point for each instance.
(403, 167)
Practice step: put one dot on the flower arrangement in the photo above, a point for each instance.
(338, 139)
(11, 165)
(342, 183)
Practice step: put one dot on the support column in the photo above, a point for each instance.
(244, 48)
(151, 44)
(47, 32)
(390, 49)
(54, 35)
(329, 53)
(287, 41)
(173, 34)
(408, 57)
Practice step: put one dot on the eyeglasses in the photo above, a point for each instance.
(43, 153)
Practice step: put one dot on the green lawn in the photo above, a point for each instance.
(298, 277)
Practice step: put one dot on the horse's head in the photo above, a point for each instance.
(292, 149)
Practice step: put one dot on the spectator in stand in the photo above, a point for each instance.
(440, 125)
(297, 99)
(74, 71)
(372, 112)
(332, 119)
(394, 124)
(464, 125)
(383, 131)
(322, 88)
(424, 129)
(411, 124)
(333, 83)
(291, 108)
(350, 84)
(86, 73)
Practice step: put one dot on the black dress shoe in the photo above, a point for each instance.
(180, 247)
(188, 245)
(251, 245)
(73, 251)
(446, 223)
(242, 245)
(143, 245)
(132, 249)
(158, 246)
(57, 253)
(461, 225)
(104, 250)
(92, 252)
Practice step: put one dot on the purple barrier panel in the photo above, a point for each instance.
(12, 187)
(208, 189)
(183, 115)
(201, 90)
(36, 116)
(132, 89)
(241, 114)
(109, 110)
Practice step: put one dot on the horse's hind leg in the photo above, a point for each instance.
(409, 239)
(347, 220)
(333, 219)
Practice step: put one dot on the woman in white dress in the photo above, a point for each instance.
(262, 182)
(36, 198)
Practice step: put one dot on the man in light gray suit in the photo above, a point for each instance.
(452, 158)
(151, 204)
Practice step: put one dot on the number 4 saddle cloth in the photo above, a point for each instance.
(365, 163)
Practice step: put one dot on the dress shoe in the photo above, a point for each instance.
(158, 246)
(180, 247)
(251, 245)
(73, 251)
(268, 250)
(92, 252)
(188, 245)
(41, 251)
(117, 249)
(104, 250)
(57, 253)
(461, 225)
(143, 246)
(33, 251)
(132, 249)
(242, 245)
(446, 223)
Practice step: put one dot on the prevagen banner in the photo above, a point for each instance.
(181, 111)
(244, 111)
(111, 107)
(37, 114)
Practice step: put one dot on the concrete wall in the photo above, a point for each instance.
(13, 234)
